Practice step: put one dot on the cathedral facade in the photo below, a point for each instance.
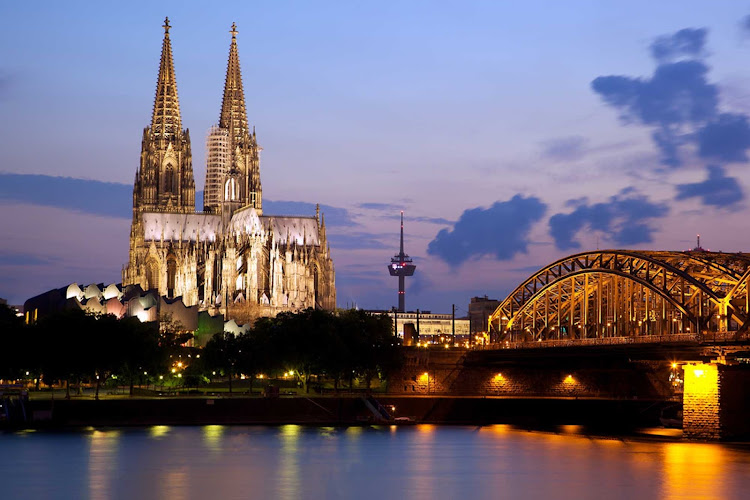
(230, 254)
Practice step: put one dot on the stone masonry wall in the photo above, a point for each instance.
(437, 371)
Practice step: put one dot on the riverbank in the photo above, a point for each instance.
(614, 414)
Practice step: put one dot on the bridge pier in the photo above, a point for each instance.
(716, 400)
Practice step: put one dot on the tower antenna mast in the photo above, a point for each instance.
(401, 266)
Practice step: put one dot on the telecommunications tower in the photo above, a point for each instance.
(401, 266)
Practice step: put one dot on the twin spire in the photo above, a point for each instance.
(166, 120)
(233, 114)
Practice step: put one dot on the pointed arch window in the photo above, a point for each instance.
(169, 179)
(230, 190)
(171, 275)
(152, 275)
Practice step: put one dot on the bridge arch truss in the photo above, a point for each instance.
(628, 293)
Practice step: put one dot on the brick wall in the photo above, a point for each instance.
(435, 371)
(716, 401)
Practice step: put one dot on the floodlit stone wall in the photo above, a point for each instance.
(716, 401)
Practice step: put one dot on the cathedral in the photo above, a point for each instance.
(231, 254)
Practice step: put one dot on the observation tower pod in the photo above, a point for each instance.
(401, 266)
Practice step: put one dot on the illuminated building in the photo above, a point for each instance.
(231, 254)
(432, 328)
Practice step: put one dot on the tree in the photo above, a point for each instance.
(221, 352)
(14, 356)
(140, 349)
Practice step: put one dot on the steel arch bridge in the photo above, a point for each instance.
(629, 293)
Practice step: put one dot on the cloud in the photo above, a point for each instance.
(22, 259)
(677, 100)
(429, 220)
(745, 25)
(434, 220)
(5, 83)
(686, 42)
(501, 231)
(385, 207)
(360, 241)
(625, 218)
(334, 216)
(116, 200)
(81, 195)
(726, 138)
(717, 190)
(565, 148)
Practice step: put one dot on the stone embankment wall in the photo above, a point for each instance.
(716, 403)
(452, 372)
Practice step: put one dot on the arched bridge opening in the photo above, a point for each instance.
(628, 294)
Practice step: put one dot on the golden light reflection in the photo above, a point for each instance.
(288, 478)
(212, 435)
(497, 429)
(158, 431)
(102, 463)
(693, 470)
(426, 428)
(571, 429)
(354, 432)
(175, 483)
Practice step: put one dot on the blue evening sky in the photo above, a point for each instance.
(487, 122)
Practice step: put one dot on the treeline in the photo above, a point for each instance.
(73, 347)
(312, 344)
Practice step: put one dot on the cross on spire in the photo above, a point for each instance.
(166, 25)
(234, 31)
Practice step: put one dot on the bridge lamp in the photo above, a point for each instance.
(674, 366)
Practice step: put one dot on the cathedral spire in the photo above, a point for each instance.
(233, 115)
(166, 120)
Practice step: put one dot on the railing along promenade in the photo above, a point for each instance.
(707, 338)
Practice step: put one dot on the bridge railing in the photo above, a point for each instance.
(710, 337)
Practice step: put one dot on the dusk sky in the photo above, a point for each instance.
(510, 133)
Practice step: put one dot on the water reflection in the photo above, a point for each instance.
(694, 470)
(415, 462)
(159, 431)
(212, 437)
(102, 463)
(288, 479)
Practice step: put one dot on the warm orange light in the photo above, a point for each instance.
(674, 365)
(499, 376)
(569, 380)
(698, 373)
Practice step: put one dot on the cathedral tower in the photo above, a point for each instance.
(164, 180)
(232, 147)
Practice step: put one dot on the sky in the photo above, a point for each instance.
(512, 134)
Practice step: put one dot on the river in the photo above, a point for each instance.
(418, 462)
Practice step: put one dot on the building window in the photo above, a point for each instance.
(152, 275)
(169, 179)
(171, 272)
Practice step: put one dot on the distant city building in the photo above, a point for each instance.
(480, 309)
(230, 255)
(430, 328)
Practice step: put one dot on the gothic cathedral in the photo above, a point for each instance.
(231, 253)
